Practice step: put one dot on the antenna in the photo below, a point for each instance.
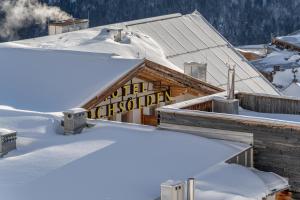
(230, 81)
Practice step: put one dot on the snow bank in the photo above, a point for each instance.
(230, 181)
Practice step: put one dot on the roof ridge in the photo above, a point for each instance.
(152, 19)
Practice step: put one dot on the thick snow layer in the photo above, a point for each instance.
(114, 161)
(53, 80)
(59, 72)
(238, 187)
(134, 45)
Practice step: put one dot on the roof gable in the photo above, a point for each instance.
(151, 71)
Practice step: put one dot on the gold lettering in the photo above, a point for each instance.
(130, 105)
(143, 88)
(110, 110)
(126, 90)
(115, 94)
(135, 88)
(121, 106)
(139, 102)
(149, 100)
(158, 98)
(167, 95)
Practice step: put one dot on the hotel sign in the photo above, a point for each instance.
(129, 97)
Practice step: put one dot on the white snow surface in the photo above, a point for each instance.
(285, 77)
(53, 80)
(59, 72)
(243, 185)
(282, 58)
(287, 60)
(115, 161)
(292, 90)
(134, 45)
(274, 116)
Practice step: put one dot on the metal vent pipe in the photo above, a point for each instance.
(191, 189)
(230, 82)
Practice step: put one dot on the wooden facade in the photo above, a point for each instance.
(148, 85)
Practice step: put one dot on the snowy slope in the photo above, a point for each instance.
(53, 80)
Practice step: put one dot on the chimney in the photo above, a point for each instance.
(7, 141)
(228, 105)
(172, 190)
(74, 121)
(191, 189)
(196, 70)
(117, 34)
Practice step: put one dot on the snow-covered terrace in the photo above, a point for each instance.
(119, 161)
(272, 123)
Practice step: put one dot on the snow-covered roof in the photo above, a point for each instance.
(75, 110)
(283, 58)
(274, 117)
(190, 37)
(114, 161)
(240, 185)
(170, 40)
(292, 90)
(285, 77)
(54, 80)
(292, 39)
(4, 131)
